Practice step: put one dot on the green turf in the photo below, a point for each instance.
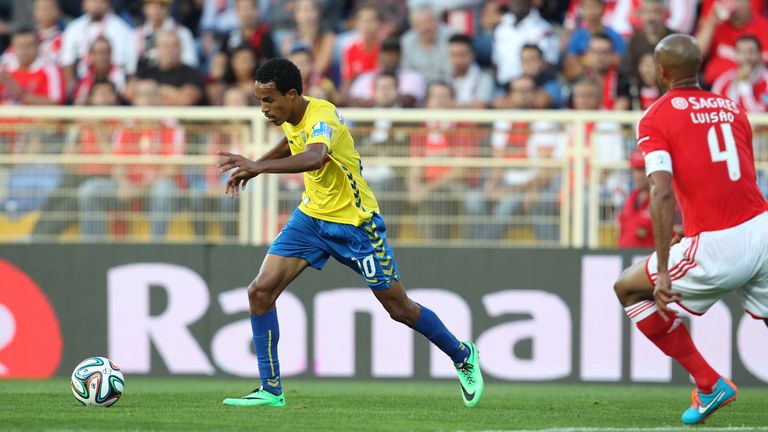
(195, 405)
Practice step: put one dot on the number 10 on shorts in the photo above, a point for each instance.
(367, 266)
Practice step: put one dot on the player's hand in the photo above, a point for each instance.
(664, 295)
(244, 170)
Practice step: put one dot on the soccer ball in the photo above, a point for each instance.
(96, 381)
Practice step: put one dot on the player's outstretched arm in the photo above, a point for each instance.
(663, 217)
(279, 151)
(310, 159)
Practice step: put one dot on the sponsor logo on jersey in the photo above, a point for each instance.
(679, 103)
(322, 129)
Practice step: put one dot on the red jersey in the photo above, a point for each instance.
(751, 96)
(357, 59)
(723, 52)
(709, 141)
(40, 79)
(150, 140)
(635, 224)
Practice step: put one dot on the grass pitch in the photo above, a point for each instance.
(195, 405)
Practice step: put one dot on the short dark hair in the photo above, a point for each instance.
(388, 75)
(390, 44)
(372, 7)
(283, 73)
(439, 83)
(460, 38)
(530, 46)
(24, 30)
(603, 36)
(750, 38)
(102, 81)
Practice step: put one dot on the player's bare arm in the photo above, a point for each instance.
(310, 159)
(663, 216)
(279, 151)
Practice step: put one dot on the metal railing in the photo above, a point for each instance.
(447, 177)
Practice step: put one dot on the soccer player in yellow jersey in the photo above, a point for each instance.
(338, 216)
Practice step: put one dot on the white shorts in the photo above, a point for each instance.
(706, 267)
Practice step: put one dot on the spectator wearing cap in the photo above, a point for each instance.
(98, 20)
(425, 45)
(635, 225)
(747, 82)
(472, 87)
(178, 84)
(579, 40)
(32, 80)
(157, 20)
(411, 85)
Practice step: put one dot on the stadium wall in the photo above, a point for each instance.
(536, 315)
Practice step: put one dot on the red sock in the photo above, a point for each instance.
(673, 339)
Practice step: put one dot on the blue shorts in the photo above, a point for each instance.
(362, 248)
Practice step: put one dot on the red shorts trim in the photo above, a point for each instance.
(689, 310)
(755, 316)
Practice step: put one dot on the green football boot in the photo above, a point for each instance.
(259, 397)
(470, 377)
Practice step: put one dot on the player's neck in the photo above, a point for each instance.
(686, 83)
(298, 116)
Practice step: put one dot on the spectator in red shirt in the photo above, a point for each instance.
(32, 81)
(100, 67)
(252, 32)
(85, 137)
(46, 14)
(635, 226)
(362, 53)
(747, 83)
(154, 185)
(718, 32)
(434, 190)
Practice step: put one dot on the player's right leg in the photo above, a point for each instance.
(635, 292)
(275, 275)
(297, 246)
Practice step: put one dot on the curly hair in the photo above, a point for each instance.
(283, 73)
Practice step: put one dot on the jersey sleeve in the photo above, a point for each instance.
(654, 145)
(321, 129)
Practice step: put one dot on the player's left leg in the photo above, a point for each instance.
(365, 250)
(635, 292)
(420, 318)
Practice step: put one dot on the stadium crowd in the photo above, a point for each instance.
(54, 50)
(505, 54)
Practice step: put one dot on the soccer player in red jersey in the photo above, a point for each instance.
(699, 145)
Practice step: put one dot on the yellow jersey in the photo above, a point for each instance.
(337, 191)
